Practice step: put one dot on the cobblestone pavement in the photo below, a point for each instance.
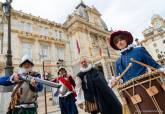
(57, 111)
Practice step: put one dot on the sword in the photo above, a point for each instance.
(38, 80)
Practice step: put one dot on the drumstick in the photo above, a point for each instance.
(123, 73)
(143, 64)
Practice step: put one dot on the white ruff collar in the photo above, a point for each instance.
(86, 69)
(128, 47)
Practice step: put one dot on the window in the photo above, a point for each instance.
(159, 29)
(45, 51)
(39, 29)
(60, 53)
(158, 24)
(96, 51)
(27, 49)
(28, 27)
(55, 34)
(159, 56)
(60, 34)
(44, 31)
(163, 41)
(155, 45)
(21, 26)
(25, 26)
(157, 50)
(14, 23)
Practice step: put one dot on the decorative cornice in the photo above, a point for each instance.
(88, 26)
(152, 37)
(32, 37)
(26, 35)
(16, 14)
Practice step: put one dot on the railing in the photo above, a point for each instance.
(148, 32)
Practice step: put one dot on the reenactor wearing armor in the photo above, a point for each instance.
(25, 93)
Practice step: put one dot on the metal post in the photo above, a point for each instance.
(5, 96)
(44, 87)
(9, 67)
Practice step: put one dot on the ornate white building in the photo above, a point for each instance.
(39, 37)
(154, 38)
(58, 43)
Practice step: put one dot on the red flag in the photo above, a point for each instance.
(100, 51)
(78, 47)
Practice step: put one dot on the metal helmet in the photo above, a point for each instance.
(60, 68)
(26, 58)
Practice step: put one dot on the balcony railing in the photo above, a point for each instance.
(148, 32)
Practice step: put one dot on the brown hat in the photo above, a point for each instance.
(129, 38)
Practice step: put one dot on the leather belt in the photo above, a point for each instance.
(26, 105)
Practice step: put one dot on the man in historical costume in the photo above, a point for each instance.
(24, 100)
(66, 92)
(97, 94)
(122, 40)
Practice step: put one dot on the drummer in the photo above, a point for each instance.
(122, 41)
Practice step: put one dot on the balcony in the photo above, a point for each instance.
(33, 36)
(148, 32)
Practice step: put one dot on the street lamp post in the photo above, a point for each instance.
(4, 100)
(7, 11)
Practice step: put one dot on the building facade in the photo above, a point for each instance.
(86, 30)
(83, 34)
(39, 38)
(52, 42)
(154, 39)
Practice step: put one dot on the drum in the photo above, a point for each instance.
(144, 94)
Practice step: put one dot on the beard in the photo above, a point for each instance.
(25, 70)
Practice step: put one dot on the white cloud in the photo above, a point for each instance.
(131, 15)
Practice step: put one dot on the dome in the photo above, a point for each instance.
(156, 16)
(81, 10)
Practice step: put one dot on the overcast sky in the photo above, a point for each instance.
(131, 15)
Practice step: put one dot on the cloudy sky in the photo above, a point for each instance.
(131, 15)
